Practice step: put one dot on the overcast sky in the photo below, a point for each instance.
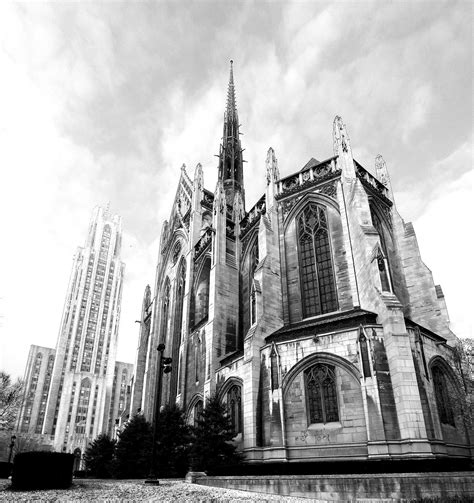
(106, 102)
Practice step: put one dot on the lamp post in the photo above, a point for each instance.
(164, 366)
(12, 444)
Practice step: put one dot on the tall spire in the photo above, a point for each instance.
(231, 108)
(230, 153)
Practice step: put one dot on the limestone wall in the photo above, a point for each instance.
(367, 488)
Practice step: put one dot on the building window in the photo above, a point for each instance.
(364, 354)
(165, 310)
(252, 267)
(320, 381)
(443, 400)
(383, 272)
(253, 306)
(274, 369)
(234, 404)
(178, 317)
(200, 307)
(315, 260)
(197, 412)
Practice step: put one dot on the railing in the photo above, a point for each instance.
(306, 178)
(207, 199)
(252, 216)
(370, 180)
(203, 243)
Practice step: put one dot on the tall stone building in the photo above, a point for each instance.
(311, 314)
(39, 371)
(77, 400)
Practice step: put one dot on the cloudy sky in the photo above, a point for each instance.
(105, 102)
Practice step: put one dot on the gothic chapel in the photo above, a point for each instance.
(311, 315)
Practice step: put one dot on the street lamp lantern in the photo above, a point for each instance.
(167, 365)
(164, 367)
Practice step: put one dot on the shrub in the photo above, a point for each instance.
(5, 469)
(42, 470)
(133, 451)
(98, 457)
(173, 442)
(212, 446)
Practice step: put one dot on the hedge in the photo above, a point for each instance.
(42, 470)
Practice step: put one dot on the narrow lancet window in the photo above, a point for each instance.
(234, 404)
(443, 399)
(364, 354)
(274, 369)
(315, 259)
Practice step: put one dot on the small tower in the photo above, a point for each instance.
(230, 153)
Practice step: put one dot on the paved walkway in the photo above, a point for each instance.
(135, 490)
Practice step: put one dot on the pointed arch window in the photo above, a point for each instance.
(274, 369)
(234, 404)
(165, 310)
(178, 324)
(197, 412)
(321, 392)
(382, 257)
(315, 260)
(364, 353)
(442, 395)
(200, 299)
(253, 306)
(382, 265)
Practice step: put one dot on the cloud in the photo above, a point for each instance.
(446, 239)
(106, 101)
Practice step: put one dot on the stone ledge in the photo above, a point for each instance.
(354, 487)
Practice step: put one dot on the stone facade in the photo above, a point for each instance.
(311, 315)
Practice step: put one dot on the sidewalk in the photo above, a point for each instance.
(136, 490)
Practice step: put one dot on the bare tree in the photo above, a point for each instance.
(11, 395)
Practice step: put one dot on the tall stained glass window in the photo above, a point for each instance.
(320, 381)
(316, 268)
(443, 400)
(234, 404)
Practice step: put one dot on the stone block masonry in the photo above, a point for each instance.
(387, 487)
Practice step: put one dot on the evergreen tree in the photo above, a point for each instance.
(212, 448)
(99, 455)
(133, 450)
(173, 442)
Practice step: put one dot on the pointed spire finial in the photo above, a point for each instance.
(231, 107)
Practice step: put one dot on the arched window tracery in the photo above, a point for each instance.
(321, 391)
(315, 260)
(165, 310)
(442, 396)
(178, 324)
(382, 257)
(197, 412)
(234, 405)
(200, 304)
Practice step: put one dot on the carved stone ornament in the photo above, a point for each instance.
(340, 135)
(272, 166)
(381, 169)
(328, 189)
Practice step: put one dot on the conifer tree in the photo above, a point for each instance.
(173, 442)
(133, 450)
(212, 448)
(99, 455)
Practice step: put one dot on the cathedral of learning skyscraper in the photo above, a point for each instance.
(72, 390)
